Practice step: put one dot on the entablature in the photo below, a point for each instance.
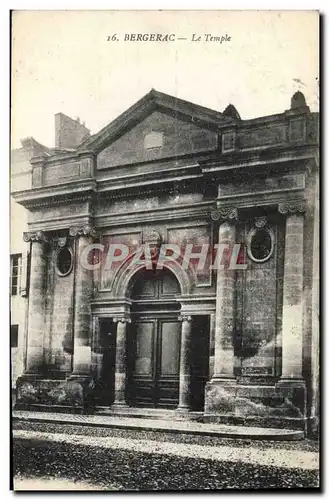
(80, 190)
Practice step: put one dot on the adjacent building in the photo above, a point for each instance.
(68, 134)
(239, 344)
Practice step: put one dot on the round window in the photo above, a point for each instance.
(64, 261)
(260, 245)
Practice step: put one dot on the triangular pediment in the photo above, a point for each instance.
(158, 126)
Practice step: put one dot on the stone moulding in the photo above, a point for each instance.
(229, 213)
(249, 238)
(58, 271)
(260, 222)
(35, 236)
(152, 237)
(79, 190)
(86, 230)
(292, 207)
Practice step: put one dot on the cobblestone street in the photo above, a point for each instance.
(109, 459)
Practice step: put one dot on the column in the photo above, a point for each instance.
(36, 311)
(96, 349)
(120, 362)
(82, 309)
(292, 314)
(225, 301)
(315, 356)
(212, 329)
(185, 365)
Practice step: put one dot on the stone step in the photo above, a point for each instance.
(148, 413)
(162, 425)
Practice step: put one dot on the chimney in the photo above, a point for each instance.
(69, 133)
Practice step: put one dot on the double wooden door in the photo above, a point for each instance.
(155, 361)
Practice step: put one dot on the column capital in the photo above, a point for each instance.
(224, 214)
(86, 230)
(35, 236)
(185, 318)
(121, 320)
(292, 207)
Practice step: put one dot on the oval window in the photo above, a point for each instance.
(64, 261)
(261, 245)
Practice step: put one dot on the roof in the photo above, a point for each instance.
(151, 101)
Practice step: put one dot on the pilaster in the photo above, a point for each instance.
(36, 310)
(82, 308)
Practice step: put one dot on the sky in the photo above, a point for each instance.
(62, 62)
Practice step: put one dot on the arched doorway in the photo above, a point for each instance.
(154, 340)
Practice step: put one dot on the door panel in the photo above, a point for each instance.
(156, 362)
(104, 390)
(155, 339)
(144, 354)
(169, 332)
(200, 360)
(144, 338)
(170, 344)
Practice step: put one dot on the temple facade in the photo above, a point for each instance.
(231, 338)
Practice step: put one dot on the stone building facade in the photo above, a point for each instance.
(68, 134)
(239, 344)
(20, 179)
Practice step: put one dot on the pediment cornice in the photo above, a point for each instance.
(152, 101)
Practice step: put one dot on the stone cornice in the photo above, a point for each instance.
(271, 156)
(60, 156)
(81, 189)
(58, 224)
(151, 101)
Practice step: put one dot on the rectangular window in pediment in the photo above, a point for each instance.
(153, 140)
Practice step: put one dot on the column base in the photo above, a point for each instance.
(292, 392)
(31, 375)
(184, 413)
(280, 404)
(79, 376)
(220, 395)
(291, 382)
(183, 409)
(119, 405)
(223, 379)
(43, 391)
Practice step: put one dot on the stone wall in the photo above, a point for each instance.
(257, 313)
(179, 138)
(180, 234)
(59, 319)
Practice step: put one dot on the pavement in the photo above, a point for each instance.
(161, 425)
(43, 484)
(73, 457)
(268, 457)
(92, 452)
